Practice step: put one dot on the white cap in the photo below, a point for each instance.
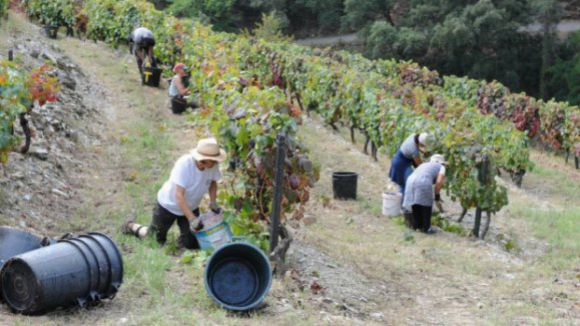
(423, 138)
(438, 158)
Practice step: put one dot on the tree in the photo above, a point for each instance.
(477, 38)
(361, 14)
(215, 12)
(328, 12)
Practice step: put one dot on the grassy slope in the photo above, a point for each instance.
(441, 279)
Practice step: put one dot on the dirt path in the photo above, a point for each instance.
(329, 40)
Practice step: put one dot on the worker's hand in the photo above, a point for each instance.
(196, 224)
(215, 208)
(438, 204)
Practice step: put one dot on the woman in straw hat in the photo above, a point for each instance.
(406, 157)
(192, 176)
(419, 193)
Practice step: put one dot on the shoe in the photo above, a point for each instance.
(126, 228)
(430, 231)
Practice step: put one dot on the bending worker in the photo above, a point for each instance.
(406, 157)
(419, 193)
(141, 43)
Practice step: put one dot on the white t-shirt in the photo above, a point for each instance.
(195, 182)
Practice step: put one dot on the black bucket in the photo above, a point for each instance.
(50, 31)
(178, 105)
(238, 276)
(344, 185)
(72, 272)
(151, 76)
(15, 242)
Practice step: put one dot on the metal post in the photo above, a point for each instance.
(10, 55)
(576, 162)
(483, 180)
(477, 221)
(276, 205)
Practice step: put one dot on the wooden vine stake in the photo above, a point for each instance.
(576, 160)
(483, 179)
(278, 250)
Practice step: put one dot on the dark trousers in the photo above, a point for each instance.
(422, 217)
(162, 222)
(144, 47)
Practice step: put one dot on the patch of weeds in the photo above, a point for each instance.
(510, 245)
(349, 220)
(171, 247)
(196, 258)
(507, 242)
(446, 225)
(371, 205)
(400, 220)
(409, 236)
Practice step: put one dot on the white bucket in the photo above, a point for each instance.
(392, 203)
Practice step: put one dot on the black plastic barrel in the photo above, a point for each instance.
(178, 105)
(151, 76)
(238, 276)
(72, 272)
(344, 185)
(14, 242)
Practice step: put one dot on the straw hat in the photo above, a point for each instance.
(208, 149)
(438, 158)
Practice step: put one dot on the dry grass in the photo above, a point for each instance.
(445, 271)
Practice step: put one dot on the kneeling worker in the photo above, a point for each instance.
(192, 176)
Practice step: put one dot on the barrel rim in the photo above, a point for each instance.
(7, 265)
(344, 174)
(266, 287)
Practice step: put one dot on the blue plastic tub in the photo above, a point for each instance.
(238, 276)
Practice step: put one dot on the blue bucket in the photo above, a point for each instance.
(238, 276)
(215, 236)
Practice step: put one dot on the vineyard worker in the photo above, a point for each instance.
(406, 157)
(178, 87)
(141, 43)
(419, 191)
(192, 176)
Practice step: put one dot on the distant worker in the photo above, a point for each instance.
(407, 157)
(179, 89)
(192, 176)
(141, 43)
(419, 193)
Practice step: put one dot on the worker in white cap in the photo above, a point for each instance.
(406, 157)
